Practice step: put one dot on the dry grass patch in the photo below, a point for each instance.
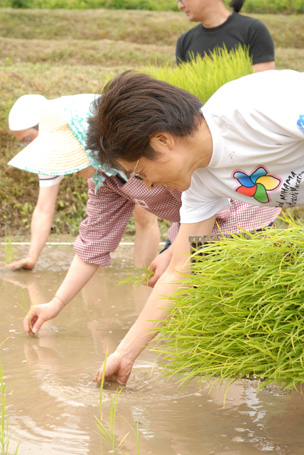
(143, 27)
(105, 53)
(290, 58)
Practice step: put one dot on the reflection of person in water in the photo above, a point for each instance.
(29, 119)
(259, 420)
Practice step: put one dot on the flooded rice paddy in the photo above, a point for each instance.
(52, 401)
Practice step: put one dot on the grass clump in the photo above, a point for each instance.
(242, 313)
(5, 430)
(203, 76)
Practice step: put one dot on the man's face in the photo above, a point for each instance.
(193, 9)
(162, 171)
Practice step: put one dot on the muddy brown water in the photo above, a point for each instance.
(53, 402)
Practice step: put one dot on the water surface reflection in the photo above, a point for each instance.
(54, 401)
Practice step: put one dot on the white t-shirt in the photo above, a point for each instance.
(257, 128)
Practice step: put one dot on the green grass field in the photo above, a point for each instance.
(62, 52)
(250, 6)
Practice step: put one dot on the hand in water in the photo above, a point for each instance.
(118, 369)
(39, 314)
(26, 263)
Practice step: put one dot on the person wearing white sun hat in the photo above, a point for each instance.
(53, 133)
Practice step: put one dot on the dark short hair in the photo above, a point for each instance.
(237, 5)
(132, 109)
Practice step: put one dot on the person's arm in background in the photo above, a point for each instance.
(119, 364)
(99, 234)
(40, 227)
(263, 66)
(77, 277)
(147, 236)
(261, 47)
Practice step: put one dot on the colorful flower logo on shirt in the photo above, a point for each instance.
(300, 122)
(258, 184)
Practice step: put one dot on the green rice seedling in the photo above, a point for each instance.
(26, 308)
(138, 276)
(240, 314)
(8, 249)
(108, 435)
(203, 76)
(5, 431)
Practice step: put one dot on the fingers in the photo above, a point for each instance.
(27, 325)
(33, 321)
(22, 264)
(35, 327)
(16, 265)
(153, 280)
(113, 378)
(117, 369)
(108, 372)
(101, 373)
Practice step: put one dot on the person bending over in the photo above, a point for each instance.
(24, 119)
(246, 143)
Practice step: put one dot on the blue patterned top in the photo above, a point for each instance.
(77, 111)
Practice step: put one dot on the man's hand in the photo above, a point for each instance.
(27, 263)
(159, 266)
(39, 314)
(118, 369)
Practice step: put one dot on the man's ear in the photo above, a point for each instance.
(162, 140)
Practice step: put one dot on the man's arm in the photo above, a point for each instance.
(40, 227)
(261, 47)
(120, 363)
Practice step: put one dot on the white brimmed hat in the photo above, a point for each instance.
(56, 151)
(26, 112)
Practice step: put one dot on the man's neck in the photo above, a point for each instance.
(214, 17)
(202, 146)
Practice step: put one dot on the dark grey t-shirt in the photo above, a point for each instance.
(238, 29)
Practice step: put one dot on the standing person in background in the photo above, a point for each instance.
(24, 119)
(220, 27)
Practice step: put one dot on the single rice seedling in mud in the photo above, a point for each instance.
(138, 276)
(108, 435)
(240, 314)
(5, 430)
(203, 76)
(27, 309)
(8, 249)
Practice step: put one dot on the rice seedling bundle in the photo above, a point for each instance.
(203, 76)
(240, 314)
